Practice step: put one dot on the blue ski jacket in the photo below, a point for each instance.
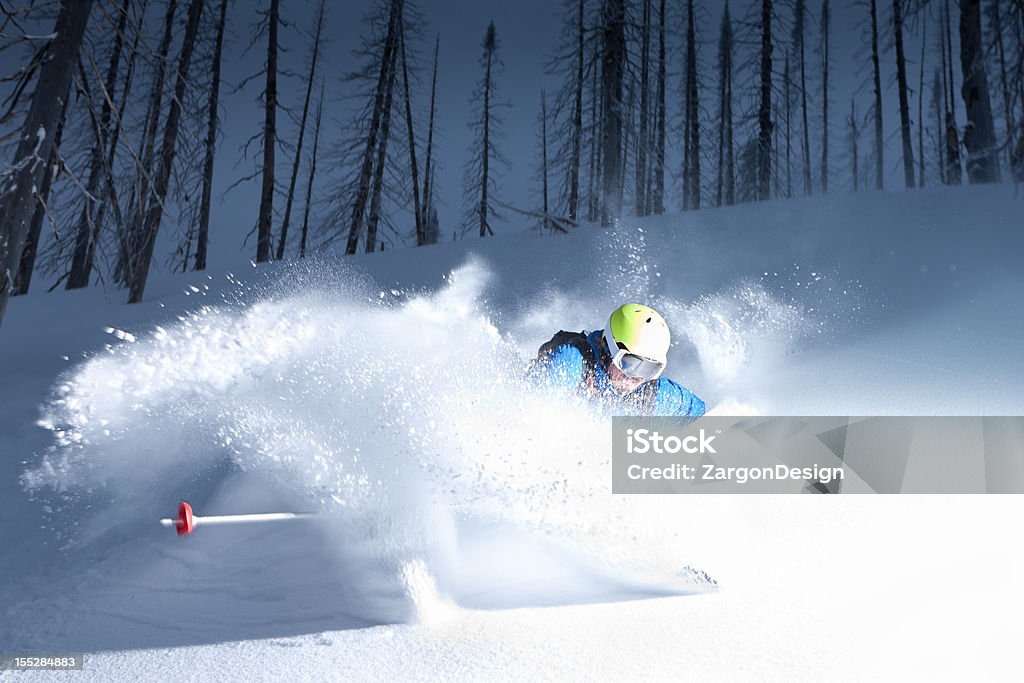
(562, 367)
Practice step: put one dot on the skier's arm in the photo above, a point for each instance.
(673, 399)
(560, 370)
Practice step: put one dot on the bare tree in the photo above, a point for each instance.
(269, 135)
(764, 112)
(428, 170)
(421, 228)
(799, 29)
(691, 149)
(641, 194)
(613, 62)
(154, 216)
(826, 18)
(902, 86)
(361, 189)
(480, 178)
(87, 234)
(20, 179)
(202, 238)
(877, 82)
(996, 24)
(725, 185)
(979, 134)
(658, 198)
(853, 131)
(312, 174)
(310, 77)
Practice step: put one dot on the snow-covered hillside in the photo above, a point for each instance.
(467, 528)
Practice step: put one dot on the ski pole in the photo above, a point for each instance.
(186, 522)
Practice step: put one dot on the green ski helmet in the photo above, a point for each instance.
(641, 331)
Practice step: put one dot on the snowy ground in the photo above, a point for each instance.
(467, 530)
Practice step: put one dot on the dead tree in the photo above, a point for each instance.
(421, 229)
(979, 134)
(154, 216)
(311, 76)
(613, 62)
(853, 137)
(876, 74)
(87, 233)
(312, 175)
(691, 150)
(428, 169)
(799, 30)
(902, 86)
(764, 112)
(725, 185)
(954, 173)
(658, 199)
(826, 18)
(36, 141)
(203, 236)
(362, 185)
(140, 198)
(480, 179)
(269, 136)
(640, 194)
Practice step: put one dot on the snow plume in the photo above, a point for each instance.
(402, 418)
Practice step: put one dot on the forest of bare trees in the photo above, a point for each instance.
(114, 114)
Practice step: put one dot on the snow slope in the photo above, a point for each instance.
(467, 530)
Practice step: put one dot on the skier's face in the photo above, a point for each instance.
(621, 382)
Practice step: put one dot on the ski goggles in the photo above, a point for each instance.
(632, 365)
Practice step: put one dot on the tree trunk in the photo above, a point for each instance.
(854, 127)
(825, 21)
(202, 239)
(979, 134)
(24, 175)
(28, 254)
(128, 246)
(312, 175)
(489, 46)
(641, 143)
(421, 228)
(877, 79)
(787, 89)
(545, 224)
(428, 175)
(366, 169)
(373, 219)
(901, 84)
(163, 177)
(87, 233)
(1004, 82)
(659, 164)
(613, 63)
(577, 121)
(764, 113)
(954, 173)
(692, 174)
(799, 31)
(920, 106)
(302, 134)
(269, 138)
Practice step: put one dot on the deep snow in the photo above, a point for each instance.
(468, 528)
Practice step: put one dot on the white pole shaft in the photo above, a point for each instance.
(240, 519)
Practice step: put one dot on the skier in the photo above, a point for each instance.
(620, 365)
